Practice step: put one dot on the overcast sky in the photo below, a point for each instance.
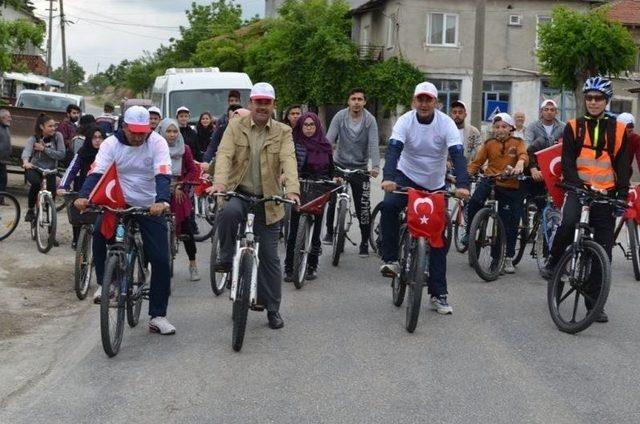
(107, 31)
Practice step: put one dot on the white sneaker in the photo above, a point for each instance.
(390, 269)
(97, 295)
(508, 266)
(161, 325)
(193, 272)
(441, 305)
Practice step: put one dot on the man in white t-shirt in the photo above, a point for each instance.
(417, 157)
(143, 162)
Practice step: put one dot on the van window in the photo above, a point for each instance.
(44, 102)
(198, 101)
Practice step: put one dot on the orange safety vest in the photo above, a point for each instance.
(597, 172)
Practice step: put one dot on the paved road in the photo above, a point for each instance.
(344, 356)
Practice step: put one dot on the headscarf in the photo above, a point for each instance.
(318, 148)
(176, 150)
(87, 152)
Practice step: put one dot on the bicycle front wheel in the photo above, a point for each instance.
(339, 234)
(458, 224)
(137, 280)
(375, 235)
(218, 280)
(487, 244)
(301, 251)
(523, 238)
(632, 231)
(581, 273)
(419, 264)
(45, 225)
(9, 215)
(112, 305)
(205, 219)
(399, 281)
(241, 304)
(84, 262)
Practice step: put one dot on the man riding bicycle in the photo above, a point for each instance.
(253, 153)
(417, 157)
(594, 155)
(143, 163)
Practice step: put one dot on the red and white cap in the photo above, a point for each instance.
(137, 119)
(182, 109)
(262, 91)
(426, 88)
(156, 110)
(547, 102)
(504, 117)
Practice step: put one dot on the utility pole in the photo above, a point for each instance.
(64, 47)
(478, 65)
(49, 42)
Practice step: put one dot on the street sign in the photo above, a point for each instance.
(494, 107)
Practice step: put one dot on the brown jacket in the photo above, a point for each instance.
(499, 155)
(277, 157)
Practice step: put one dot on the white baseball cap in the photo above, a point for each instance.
(182, 109)
(459, 103)
(137, 119)
(156, 110)
(547, 102)
(426, 88)
(504, 117)
(262, 91)
(626, 118)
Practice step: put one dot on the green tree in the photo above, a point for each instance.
(98, 83)
(14, 36)
(392, 82)
(140, 75)
(75, 75)
(575, 46)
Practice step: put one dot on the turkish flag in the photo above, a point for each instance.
(551, 168)
(633, 199)
(108, 193)
(426, 216)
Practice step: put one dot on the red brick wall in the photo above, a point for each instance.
(36, 64)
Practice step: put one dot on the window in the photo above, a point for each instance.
(448, 92)
(442, 29)
(540, 20)
(365, 36)
(618, 106)
(495, 91)
(565, 99)
(390, 32)
(636, 66)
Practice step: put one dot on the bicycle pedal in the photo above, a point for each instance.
(257, 308)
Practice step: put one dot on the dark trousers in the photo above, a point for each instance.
(269, 273)
(3, 177)
(392, 206)
(187, 238)
(510, 210)
(156, 251)
(601, 219)
(316, 246)
(35, 179)
(361, 190)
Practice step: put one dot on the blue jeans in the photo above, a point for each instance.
(510, 210)
(156, 251)
(392, 205)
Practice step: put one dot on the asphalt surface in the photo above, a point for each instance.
(345, 357)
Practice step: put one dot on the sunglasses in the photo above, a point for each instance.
(594, 98)
(309, 124)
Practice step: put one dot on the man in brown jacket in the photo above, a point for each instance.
(505, 154)
(255, 150)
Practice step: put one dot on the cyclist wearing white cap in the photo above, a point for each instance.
(143, 163)
(155, 116)
(633, 139)
(189, 135)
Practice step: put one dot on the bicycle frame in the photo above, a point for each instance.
(247, 243)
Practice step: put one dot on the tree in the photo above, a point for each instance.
(75, 74)
(140, 75)
(392, 82)
(575, 46)
(14, 36)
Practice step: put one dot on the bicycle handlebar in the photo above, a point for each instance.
(593, 195)
(305, 180)
(404, 190)
(45, 171)
(127, 211)
(254, 200)
(353, 171)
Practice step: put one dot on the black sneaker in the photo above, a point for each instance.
(328, 239)
(364, 250)
(547, 272)
(312, 274)
(275, 320)
(28, 217)
(288, 277)
(222, 267)
(603, 317)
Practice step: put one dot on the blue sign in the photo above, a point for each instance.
(494, 107)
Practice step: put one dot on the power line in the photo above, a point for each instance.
(129, 32)
(166, 28)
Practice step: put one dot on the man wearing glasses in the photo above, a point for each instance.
(595, 154)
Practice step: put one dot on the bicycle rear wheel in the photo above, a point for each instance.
(632, 231)
(302, 250)
(487, 244)
(458, 223)
(241, 304)
(399, 282)
(418, 278)
(45, 225)
(589, 279)
(218, 280)
(522, 239)
(112, 305)
(375, 235)
(339, 234)
(137, 280)
(84, 262)
(9, 214)
(205, 219)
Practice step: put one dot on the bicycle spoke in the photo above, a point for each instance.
(575, 307)
(563, 298)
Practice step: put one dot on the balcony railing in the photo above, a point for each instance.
(371, 53)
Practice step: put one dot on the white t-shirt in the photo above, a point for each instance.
(137, 166)
(425, 151)
(548, 129)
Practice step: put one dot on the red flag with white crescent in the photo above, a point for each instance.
(633, 199)
(108, 192)
(426, 216)
(549, 163)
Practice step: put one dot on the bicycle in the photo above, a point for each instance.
(414, 269)
(125, 279)
(43, 225)
(204, 210)
(631, 253)
(244, 274)
(83, 267)
(309, 212)
(344, 214)
(9, 214)
(546, 223)
(582, 263)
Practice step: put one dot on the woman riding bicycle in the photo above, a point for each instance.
(183, 168)
(505, 154)
(43, 150)
(315, 162)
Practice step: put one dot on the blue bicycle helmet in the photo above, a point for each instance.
(600, 84)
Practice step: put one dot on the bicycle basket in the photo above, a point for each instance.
(74, 215)
(313, 197)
